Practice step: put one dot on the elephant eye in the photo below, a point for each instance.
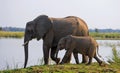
(60, 44)
(29, 31)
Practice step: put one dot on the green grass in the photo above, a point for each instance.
(11, 34)
(115, 57)
(105, 36)
(67, 68)
(98, 36)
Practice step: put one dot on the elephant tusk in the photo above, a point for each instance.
(25, 43)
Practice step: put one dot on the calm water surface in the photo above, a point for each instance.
(12, 52)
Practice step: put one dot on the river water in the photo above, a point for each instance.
(12, 52)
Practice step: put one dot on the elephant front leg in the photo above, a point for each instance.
(66, 56)
(98, 60)
(46, 54)
(53, 52)
(84, 59)
(75, 54)
(90, 60)
(69, 58)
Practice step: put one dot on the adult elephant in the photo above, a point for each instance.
(51, 30)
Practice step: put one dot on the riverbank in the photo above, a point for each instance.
(8, 34)
(68, 68)
(98, 36)
(105, 36)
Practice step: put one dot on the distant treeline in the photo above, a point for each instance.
(91, 30)
(104, 30)
(12, 29)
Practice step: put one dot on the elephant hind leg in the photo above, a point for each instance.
(75, 54)
(98, 60)
(84, 59)
(90, 60)
(68, 59)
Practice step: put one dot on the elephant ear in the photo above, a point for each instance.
(30, 25)
(44, 21)
(42, 24)
(30, 30)
(68, 42)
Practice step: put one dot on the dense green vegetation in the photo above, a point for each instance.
(97, 35)
(68, 68)
(115, 56)
(7, 34)
(105, 35)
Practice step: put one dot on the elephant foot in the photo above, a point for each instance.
(61, 62)
(77, 63)
(100, 63)
(57, 60)
(88, 64)
(84, 62)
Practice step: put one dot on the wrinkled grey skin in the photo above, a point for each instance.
(51, 30)
(84, 45)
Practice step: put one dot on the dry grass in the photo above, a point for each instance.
(11, 34)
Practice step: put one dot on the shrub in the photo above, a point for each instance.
(115, 56)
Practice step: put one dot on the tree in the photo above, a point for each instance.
(96, 30)
(0, 28)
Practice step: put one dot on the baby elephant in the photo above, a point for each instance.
(84, 45)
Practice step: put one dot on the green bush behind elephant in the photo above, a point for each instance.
(84, 45)
(51, 30)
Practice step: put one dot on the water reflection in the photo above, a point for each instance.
(12, 52)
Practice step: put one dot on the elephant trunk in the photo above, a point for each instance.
(26, 55)
(26, 42)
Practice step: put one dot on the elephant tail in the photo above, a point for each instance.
(98, 52)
